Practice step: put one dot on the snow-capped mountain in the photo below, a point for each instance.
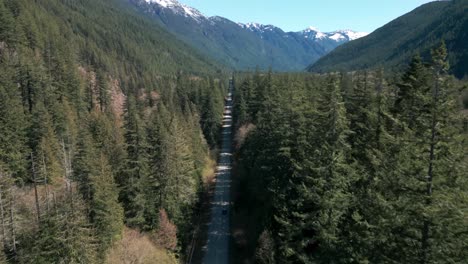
(178, 8)
(257, 27)
(312, 33)
(244, 45)
(345, 35)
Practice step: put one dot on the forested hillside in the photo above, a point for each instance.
(393, 45)
(243, 46)
(109, 126)
(352, 167)
(105, 121)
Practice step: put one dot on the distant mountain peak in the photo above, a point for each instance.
(178, 8)
(313, 33)
(244, 45)
(253, 25)
(351, 34)
(337, 35)
(312, 28)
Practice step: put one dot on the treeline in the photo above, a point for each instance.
(353, 168)
(103, 120)
(392, 45)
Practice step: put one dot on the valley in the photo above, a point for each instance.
(244, 46)
(146, 131)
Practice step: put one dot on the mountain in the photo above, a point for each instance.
(395, 43)
(243, 46)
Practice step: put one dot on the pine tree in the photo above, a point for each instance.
(428, 162)
(64, 237)
(46, 146)
(409, 98)
(442, 164)
(102, 91)
(335, 172)
(13, 149)
(136, 165)
(96, 184)
(6, 24)
(181, 178)
(155, 185)
(83, 170)
(105, 211)
(209, 120)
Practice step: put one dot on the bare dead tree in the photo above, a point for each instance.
(67, 163)
(12, 222)
(44, 170)
(36, 195)
(55, 202)
(2, 215)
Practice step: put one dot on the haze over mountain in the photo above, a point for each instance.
(395, 43)
(243, 46)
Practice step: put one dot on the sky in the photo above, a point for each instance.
(296, 15)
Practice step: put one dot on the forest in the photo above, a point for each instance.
(109, 129)
(101, 138)
(357, 167)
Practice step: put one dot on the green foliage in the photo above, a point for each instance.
(108, 110)
(105, 212)
(136, 167)
(353, 169)
(395, 43)
(97, 186)
(13, 148)
(238, 47)
(63, 237)
(6, 23)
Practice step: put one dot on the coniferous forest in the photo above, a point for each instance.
(110, 127)
(353, 167)
(105, 124)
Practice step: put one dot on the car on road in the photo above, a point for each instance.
(224, 212)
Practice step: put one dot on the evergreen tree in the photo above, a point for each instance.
(6, 24)
(181, 178)
(64, 237)
(98, 188)
(13, 149)
(155, 185)
(102, 91)
(105, 212)
(136, 165)
(334, 175)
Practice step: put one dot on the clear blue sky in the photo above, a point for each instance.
(295, 15)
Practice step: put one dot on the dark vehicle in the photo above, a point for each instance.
(224, 212)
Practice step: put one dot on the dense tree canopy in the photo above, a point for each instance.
(103, 120)
(349, 168)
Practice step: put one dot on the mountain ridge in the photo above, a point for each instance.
(393, 45)
(244, 46)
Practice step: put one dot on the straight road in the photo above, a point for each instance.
(217, 247)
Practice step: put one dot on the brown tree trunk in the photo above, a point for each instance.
(36, 195)
(430, 173)
(46, 184)
(2, 215)
(12, 223)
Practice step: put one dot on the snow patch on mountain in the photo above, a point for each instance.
(311, 32)
(256, 27)
(352, 35)
(178, 8)
(338, 35)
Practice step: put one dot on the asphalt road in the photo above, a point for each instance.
(217, 247)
